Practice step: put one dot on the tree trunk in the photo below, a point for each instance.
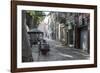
(26, 49)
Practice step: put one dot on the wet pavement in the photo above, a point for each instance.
(58, 52)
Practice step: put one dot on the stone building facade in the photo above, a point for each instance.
(72, 29)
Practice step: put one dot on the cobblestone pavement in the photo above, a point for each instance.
(58, 53)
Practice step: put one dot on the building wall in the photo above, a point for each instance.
(68, 28)
(82, 32)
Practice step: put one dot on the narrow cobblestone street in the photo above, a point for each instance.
(55, 36)
(58, 53)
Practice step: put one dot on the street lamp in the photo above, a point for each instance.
(35, 36)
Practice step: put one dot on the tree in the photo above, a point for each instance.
(26, 49)
(37, 17)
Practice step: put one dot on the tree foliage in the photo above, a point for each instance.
(37, 16)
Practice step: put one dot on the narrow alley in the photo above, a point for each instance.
(65, 34)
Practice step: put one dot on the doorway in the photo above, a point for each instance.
(84, 40)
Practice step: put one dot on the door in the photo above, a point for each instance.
(84, 40)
